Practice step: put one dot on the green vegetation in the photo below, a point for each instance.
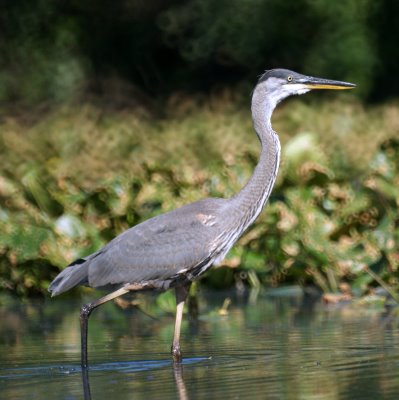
(74, 177)
(112, 112)
(52, 51)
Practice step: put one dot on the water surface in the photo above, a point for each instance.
(269, 346)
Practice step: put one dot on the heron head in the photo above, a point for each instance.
(278, 84)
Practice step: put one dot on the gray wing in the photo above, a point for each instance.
(160, 247)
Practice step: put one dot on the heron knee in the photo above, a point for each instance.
(176, 353)
(85, 311)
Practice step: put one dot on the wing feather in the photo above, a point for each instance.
(160, 247)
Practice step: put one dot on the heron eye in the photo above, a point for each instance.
(289, 78)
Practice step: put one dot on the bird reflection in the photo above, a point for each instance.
(86, 383)
(177, 374)
(180, 385)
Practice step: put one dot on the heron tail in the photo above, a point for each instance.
(73, 275)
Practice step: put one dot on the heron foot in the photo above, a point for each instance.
(176, 353)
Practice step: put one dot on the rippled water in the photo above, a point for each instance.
(266, 347)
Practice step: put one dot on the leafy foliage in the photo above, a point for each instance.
(79, 176)
(54, 51)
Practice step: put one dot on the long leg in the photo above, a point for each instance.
(85, 312)
(181, 295)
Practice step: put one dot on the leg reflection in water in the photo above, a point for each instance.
(180, 386)
(86, 383)
(177, 374)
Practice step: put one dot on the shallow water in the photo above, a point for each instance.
(271, 346)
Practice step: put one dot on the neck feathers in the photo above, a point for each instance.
(248, 203)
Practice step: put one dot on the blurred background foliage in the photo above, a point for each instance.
(113, 112)
(52, 49)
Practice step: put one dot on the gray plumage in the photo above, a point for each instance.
(173, 249)
(149, 252)
(180, 245)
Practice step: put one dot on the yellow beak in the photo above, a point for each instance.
(318, 83)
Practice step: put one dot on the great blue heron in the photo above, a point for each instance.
(173, 249)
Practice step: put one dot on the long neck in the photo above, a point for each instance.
(248, 203)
